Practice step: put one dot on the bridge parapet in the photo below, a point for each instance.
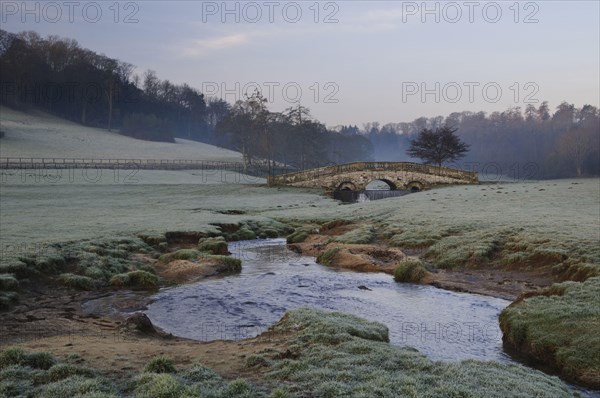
(399, 175)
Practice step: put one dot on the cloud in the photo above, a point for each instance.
(198, 48)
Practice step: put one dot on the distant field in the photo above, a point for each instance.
(40, 135)
(558, 215)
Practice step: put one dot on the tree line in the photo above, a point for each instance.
(57, 75)
(534, 142)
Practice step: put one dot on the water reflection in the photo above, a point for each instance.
(366, 196)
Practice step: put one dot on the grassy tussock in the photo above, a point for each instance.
(226, 264)
(216, 245)
(84, 264)
(78, 281)
(24, 374)
(327, 256)
(559, 326)
(364, 234)
(472, 249)
(300, 234)
(160, 364)
(415, 238)
(136, 280)
(411, 271)
(337, 355)
(251, 229)
(183, 254)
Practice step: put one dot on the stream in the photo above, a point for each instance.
(442, 324)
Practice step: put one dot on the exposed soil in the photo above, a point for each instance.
(379, 257)
(52, 319)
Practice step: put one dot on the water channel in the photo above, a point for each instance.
(442, 324)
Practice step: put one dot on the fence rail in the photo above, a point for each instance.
(255, 169)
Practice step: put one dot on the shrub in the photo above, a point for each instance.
(160, 364)
(409, 271)
(78, 281)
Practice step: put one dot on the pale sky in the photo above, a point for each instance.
(353, 61)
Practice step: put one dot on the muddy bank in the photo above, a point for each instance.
(379, 256)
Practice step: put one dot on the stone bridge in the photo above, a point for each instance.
(356, 176)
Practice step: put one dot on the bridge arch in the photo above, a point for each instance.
(415, 186)
(390, 184)
(346, 186)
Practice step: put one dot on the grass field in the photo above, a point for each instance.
(40, 135)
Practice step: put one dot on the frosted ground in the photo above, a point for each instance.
(34, 210)
(40, 135)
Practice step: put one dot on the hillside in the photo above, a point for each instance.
(39, 135)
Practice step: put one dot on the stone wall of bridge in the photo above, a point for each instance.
(356, 176)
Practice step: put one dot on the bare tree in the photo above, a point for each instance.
(437, 146)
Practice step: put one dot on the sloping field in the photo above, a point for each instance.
(39, 135)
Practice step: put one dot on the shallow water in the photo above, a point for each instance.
(443, 325)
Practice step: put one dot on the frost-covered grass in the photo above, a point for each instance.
(559, 327)
(338, 355)
(40, 375)
(522, 224)
(40, 135)
(364, 234)
(84, 265)
(35, 216)
(325, 355)
(137, 279)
